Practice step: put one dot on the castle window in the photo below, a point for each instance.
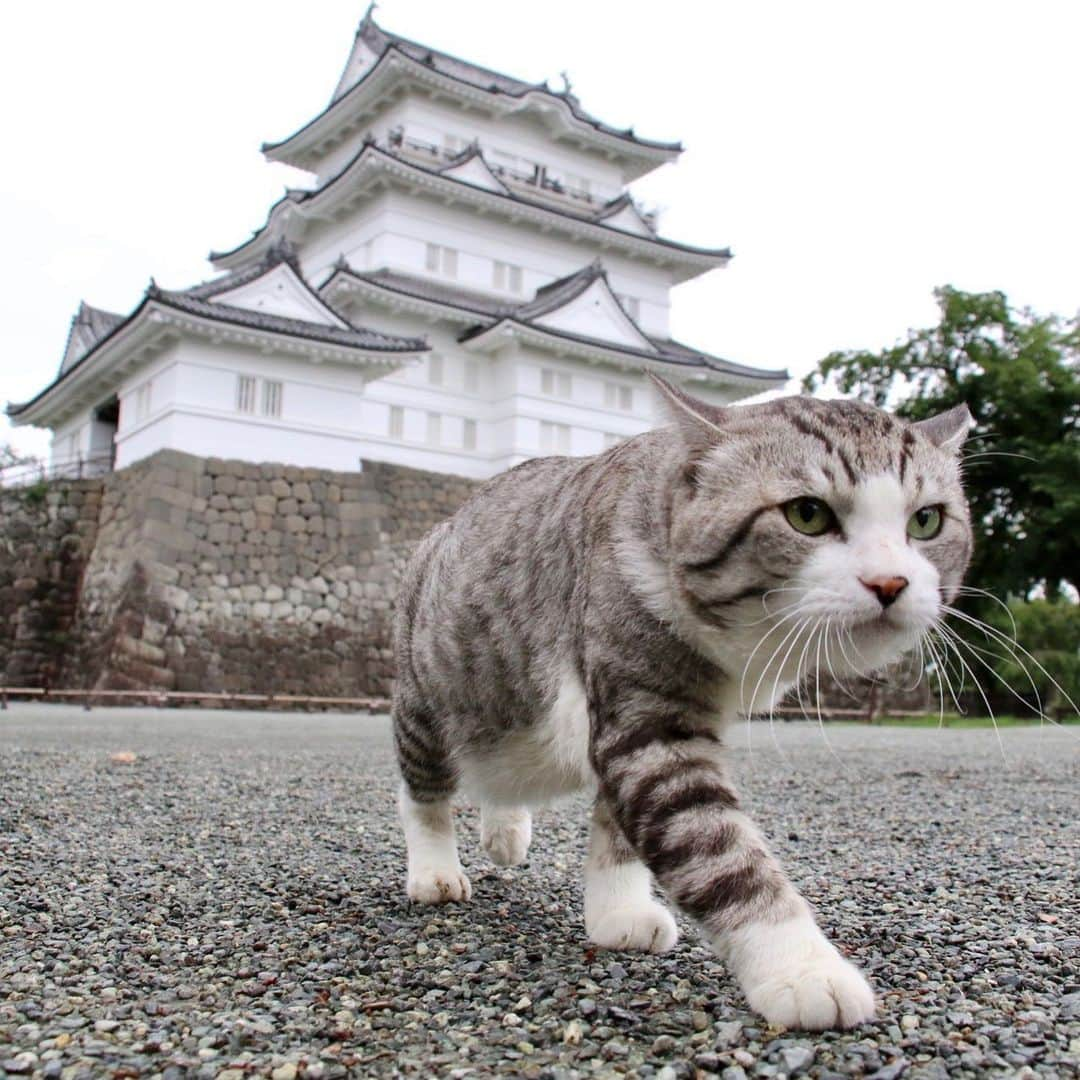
(271, 397)
(469, 435)
(441, 260)
(435, 369)
(554, 436)
(617, 396)
(245, 393)
(434, 429)
(507, 277)
(472, 376)
(397, 422)
(143, 397)
(555, 383)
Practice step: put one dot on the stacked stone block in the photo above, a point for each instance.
(46, 535)
(215, 575)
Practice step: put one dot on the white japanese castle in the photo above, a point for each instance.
(465, 284)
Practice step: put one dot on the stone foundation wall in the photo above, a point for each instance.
(214, 575)
(47, 533)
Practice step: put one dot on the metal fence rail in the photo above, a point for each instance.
(80, 467)
(210, 699)
(190, 697)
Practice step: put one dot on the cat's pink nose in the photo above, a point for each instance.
(886, 589)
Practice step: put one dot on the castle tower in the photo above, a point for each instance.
(466, 283)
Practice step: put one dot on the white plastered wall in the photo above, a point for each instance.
(393, 231)
(521, 136)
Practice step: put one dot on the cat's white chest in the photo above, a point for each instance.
(549, 760)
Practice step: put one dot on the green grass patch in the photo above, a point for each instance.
(956, 720)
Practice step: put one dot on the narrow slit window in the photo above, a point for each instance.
(617, 396)
(554, 436)
(472, 376)
(143, 397)
(434, 429)
(469, 435)
(271, 398)
(397, 422)
(435, 370)
(441, 260)
(245, 393)
(555, 383)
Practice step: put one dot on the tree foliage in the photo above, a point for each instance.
(1049, 678)
(1019, 374)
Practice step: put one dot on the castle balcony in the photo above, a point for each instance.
(537, 182)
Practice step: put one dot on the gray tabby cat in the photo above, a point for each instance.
(593, 623)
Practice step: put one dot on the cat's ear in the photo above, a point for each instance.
(947, 430)
(700, 423)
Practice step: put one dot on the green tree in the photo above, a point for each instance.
(1019, 374)
(1050, 677)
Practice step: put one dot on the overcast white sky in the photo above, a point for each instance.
(854, 155)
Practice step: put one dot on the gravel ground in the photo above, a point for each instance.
(231, 903)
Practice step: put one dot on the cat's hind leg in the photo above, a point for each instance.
(434, 874)
(620, 909)
(505, 833)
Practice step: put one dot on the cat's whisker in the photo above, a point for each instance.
(979, 654)
(746, 665)
(779, 674)
(923, 643)
(947, 644)
(970, 590)
(942, 672)
(1013, 647)
(920, 669)
(799, 677)
(749, 707)
(968, 458)
(824, 639)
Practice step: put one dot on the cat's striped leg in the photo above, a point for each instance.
(620, 909)
(505, 833)
(670, 794)
(434, 873)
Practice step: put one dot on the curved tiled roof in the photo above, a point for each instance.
(555, 294)
(88, 326)
(385, 44)
(356, 337)
(596, 218)
(197, 302)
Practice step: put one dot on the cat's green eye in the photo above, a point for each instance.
(810, 516)
(925, 523)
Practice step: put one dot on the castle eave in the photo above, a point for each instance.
(347, 113)
(354, 182)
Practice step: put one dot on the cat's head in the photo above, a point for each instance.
(800, 509)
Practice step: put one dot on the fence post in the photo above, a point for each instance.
(872, 703)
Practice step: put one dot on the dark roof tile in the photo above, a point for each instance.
(548, 298)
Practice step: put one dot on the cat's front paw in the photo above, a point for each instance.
(505, 835)
(828, 994)
(646, 927)
(428, 885)
(795, 978)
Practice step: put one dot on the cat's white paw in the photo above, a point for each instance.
(430, 885)
(646, 927)
(794, 977)
(505, 835)
(828, 994)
